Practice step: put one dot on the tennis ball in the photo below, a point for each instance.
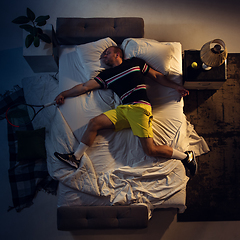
(194, 65)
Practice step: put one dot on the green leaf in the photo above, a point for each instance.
(36, 41)
(41, 23)
(28, 41)
(27, 27)
(42, 18)
(44, 37)
(21, 20)
(34, 31)
(30, 14)
(40, 31)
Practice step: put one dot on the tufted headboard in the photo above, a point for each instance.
(74, 31)
(82, 217)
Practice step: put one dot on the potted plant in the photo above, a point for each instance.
(35, 32)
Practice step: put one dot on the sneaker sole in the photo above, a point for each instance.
(194, 159)
(64, 160)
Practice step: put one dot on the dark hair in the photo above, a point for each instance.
(118, 50)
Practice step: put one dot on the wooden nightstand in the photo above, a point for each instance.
(44, 57)
(199, 78)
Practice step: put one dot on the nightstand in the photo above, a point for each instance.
(44, 57)
(198, 78)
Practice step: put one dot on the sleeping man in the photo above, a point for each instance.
(126, 79)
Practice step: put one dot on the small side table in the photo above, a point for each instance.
(199, 78)
(44, 57)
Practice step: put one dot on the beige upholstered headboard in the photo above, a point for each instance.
(74, 31)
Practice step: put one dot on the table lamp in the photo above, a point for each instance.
(213, 54)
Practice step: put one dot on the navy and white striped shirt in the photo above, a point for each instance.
(127, 81)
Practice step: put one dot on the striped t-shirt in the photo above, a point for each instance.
(127, 81)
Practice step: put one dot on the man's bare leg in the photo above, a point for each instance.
(153, 150)
(95, 124)
(149, 147)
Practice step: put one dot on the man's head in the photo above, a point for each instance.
(112, 56)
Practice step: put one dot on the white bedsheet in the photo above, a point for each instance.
(115, 169)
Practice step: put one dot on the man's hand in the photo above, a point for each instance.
(163, 80)
(60, 99)
(77, 90)
(184, 92)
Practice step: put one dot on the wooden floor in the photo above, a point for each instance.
(216, 116)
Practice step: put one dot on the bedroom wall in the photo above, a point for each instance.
(191, 22)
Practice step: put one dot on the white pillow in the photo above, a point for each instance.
(157, 54)
(90, 54)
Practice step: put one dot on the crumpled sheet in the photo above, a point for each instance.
(122, 176)
(115, 169)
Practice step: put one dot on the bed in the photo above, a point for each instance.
(116, 185)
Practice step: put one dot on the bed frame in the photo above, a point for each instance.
(75, 31)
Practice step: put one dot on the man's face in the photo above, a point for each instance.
(109, 56)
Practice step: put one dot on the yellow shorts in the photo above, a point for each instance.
(138, 117)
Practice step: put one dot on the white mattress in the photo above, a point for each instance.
(72, 73)
(115, 169)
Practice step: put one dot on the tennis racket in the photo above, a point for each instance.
(19, 115)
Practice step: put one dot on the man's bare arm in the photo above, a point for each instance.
(77, 90)
(163, 80)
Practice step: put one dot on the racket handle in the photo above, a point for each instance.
(50, 104)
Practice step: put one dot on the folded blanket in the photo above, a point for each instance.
(26, 177)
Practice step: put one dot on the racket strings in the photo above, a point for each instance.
(20, 115)
(23, 114)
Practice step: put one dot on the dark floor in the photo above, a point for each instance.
(214, 193)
